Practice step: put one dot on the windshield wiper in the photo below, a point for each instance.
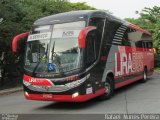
(57, 58)
(53, 50)
(45, 55)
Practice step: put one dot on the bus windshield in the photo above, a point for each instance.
(56, 45)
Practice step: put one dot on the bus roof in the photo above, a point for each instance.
(83, 15)
(70, 16)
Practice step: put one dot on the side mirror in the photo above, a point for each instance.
(83, 34)
(16, 39)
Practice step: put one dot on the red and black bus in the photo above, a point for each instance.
(80, 55)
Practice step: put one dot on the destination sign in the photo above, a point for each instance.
(40, 36)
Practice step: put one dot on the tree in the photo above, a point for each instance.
(80, 6)
(151, 14)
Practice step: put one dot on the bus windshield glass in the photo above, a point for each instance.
(55, 45)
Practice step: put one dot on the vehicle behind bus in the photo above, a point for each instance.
(77, 56)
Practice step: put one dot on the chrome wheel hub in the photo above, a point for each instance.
(145, 76)
(107, 88)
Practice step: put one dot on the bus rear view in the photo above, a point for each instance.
(77, 56)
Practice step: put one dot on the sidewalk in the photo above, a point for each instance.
(157, 70)
(11, 90)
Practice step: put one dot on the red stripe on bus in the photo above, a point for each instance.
(129, 81)
(37, 81)
(64, 98)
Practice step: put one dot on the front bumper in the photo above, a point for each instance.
(63, 98)
(45, 90)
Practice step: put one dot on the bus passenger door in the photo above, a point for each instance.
(93, 50)
(94, 40)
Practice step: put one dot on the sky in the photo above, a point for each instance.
(121, 8)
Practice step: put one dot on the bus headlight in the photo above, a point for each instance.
(26, 93)
(75, 95)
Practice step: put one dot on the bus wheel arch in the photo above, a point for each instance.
(109, 87)
(111, 75)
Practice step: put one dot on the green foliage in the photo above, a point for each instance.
(157, 60)
(151, 14)
(81, 6)
(19, 15)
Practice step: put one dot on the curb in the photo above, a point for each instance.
(11, 90)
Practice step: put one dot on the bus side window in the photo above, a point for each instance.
(139, 44)
(91, 48)
(149, 45)
(144, 46)
(99, 24)
(94, 38)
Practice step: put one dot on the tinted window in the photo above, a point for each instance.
(94, 40)
(97, 34)
(139, 44)
(149, 44)
(91, 56)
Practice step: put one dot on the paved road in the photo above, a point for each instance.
(135, 98)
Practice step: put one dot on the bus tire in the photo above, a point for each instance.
(144, 79)
(109, 89)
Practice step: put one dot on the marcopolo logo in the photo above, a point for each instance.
(68, 33)
(46, 87)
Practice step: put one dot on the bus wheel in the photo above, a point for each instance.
(109, 89)
(144, 79)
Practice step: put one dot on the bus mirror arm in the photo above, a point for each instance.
(83, 34)
(16, 39)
